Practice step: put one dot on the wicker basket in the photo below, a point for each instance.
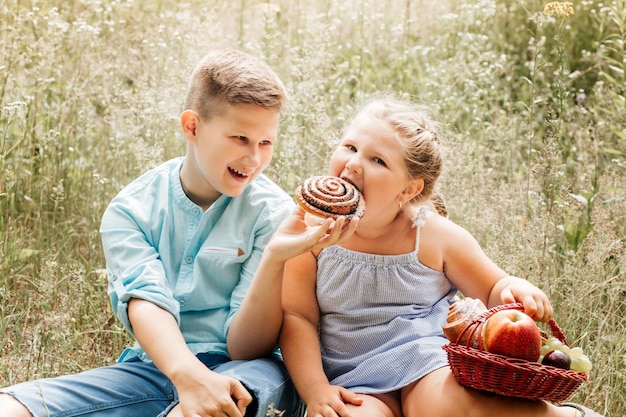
(511, 377)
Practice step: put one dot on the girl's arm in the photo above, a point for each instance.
(512, 289)
(477, 276)
(300, 345)
(299, 342)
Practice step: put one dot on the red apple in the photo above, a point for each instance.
(512, 333)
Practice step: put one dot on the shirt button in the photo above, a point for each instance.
(182, 303)
(189, 259)
(196, 211)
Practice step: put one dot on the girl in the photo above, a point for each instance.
(362, 330)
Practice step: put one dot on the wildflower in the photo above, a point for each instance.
(559, 9)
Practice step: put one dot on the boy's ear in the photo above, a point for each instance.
(189, 121)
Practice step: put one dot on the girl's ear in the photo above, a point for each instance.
(413, 189)
(189, 121)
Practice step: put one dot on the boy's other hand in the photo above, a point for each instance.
(220, 396)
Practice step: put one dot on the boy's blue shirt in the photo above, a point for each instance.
(161, 247)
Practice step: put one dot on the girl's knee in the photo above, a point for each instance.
(380, 405)
(438, 393)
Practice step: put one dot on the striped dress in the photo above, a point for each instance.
(380, 318)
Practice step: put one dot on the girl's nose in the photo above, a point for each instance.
(353, 166)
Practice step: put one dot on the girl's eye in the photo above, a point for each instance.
(266, 142)
(352, 148)
(243, 138)
(380, 162)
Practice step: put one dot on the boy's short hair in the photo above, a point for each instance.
(232, 77)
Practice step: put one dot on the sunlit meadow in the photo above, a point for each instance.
(531, 97)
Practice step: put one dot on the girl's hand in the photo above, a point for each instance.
(518, 290)
(295, 237)
(331, 400)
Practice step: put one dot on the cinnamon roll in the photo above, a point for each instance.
(328, 196)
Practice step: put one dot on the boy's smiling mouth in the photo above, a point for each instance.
(237, 174)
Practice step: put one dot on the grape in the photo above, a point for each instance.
(554, 343)
(576, 352)
(579, 361)
(581, 364)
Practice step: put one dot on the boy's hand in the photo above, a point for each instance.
(215, 396)
(331, 400)
(294, 237)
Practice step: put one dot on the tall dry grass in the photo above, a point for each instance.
(533, 106)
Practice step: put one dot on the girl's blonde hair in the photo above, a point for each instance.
(419, 137)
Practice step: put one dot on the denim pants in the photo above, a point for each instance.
(139, 389)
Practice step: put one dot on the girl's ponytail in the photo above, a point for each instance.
(439, 204)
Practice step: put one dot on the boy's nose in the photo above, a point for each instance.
(253, 158)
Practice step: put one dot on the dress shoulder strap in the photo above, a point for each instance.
(418, 221)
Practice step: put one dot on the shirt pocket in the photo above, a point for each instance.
(220, 250)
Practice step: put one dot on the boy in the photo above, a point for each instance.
(184, 245)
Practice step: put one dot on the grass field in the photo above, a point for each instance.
(532, 102)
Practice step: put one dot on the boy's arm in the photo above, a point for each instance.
(142, 299)
(201, 391)
(255, 327)
(134, 266)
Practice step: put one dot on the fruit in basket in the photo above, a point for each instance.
(582, 364)
(579, 362)
(557, 358)
(512, 333)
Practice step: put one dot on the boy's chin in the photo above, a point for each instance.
(235, 191)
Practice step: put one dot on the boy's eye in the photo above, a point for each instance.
(266, 142)
(352, 148)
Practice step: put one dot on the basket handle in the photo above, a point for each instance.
(478, 322)
(556, 331)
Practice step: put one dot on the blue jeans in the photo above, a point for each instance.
(139, 389)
